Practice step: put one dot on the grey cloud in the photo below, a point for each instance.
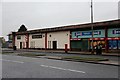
(50, 14)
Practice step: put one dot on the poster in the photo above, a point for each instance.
(110, 44)
(96, 42)
(114, 44)
(118, 44)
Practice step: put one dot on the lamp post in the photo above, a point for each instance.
(92, 52)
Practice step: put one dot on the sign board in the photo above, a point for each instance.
(75, 39)
(116, 31)
(87, 33)
(113, 38)
(97, 39)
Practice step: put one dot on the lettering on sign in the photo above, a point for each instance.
(116, 31)
(87, 33)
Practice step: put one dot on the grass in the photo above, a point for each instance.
(31, 54)
(7, 52)
(77, 58)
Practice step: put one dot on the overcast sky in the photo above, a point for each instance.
(36, 15)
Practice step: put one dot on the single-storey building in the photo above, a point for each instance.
(76, 37)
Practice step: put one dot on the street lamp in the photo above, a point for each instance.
(92, 52)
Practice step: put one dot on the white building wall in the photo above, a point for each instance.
(62, 38)
(37, 43)
(17, 41)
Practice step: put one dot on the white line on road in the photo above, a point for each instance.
(11, 61)
(62, 68)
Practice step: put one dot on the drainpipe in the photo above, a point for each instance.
(27, 35)
(45, 41)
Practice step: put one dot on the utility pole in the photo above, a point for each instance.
(92, 52)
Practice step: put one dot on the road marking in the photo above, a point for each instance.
(11, 61)
(62, 68)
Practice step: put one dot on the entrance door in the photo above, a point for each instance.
(85, 44)
(20, 45)
(76, 45)
(54, 44)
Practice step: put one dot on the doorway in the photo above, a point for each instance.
(84, 44)
(54, 45)
(20, 45)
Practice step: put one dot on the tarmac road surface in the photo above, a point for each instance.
(27, 67)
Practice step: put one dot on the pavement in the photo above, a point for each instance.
(57, 54)
(70, 52)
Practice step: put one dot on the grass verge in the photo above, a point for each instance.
(77, 58)
(7, 52)
(31, 54)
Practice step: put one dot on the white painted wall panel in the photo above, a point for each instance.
(62, 38)
(37, 43)
(17, 42)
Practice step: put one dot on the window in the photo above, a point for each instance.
(95, 42)
(114, 44)
(18, 37)
(118, 44)
(36, 36)
(49, 44)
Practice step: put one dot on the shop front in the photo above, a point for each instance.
(114, 39)
(113, 43)
(97, 41)
(79, 44)
(82, 40)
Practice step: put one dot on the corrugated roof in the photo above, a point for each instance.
(70, 27)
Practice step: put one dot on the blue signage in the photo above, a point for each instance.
(87, 33)
(97, 32)
(116, 31)
(118, 44)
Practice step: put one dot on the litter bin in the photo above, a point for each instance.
(14, 47)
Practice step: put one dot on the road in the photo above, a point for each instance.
(27, 67)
